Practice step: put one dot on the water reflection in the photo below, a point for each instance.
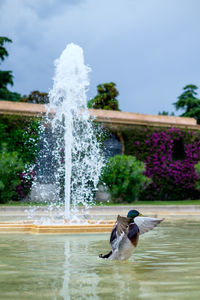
(79, 277)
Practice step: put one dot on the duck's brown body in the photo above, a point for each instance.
(125, 235)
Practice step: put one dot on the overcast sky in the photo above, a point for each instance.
(149, 48)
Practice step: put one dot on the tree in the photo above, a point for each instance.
(165, 113)
(189, 102)
(106, 97)
(36, 97)
(6, 77)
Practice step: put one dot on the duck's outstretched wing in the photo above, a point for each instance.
(146, 223)
(118, 231)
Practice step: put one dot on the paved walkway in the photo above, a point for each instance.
(190, 212)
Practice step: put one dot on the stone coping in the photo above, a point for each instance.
(11, 219)
(91, 227)
(118, 117)
(107, 210)
(104, 116)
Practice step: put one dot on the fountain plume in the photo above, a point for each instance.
(76, 151)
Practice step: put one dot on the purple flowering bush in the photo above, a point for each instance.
(173, 175)
(170, 156)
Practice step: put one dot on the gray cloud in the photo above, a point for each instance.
(150, 48)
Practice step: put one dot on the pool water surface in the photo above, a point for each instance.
(166, 265)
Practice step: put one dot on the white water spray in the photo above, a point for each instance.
(77, 155)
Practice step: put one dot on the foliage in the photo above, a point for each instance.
(197, 169)
(10, 168)
(106, 97)
(26, 179)
(36, 97)
(6, 77)
(7, 95)
(169, 156)
(124, 177)
(189, 102)
(20, 135)
(165, 113)
(3, 51)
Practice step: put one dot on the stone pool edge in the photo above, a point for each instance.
(6, 227)
(105, 213)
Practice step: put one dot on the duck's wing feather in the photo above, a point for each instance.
(118, 231)
(121, 224)
(146, 223)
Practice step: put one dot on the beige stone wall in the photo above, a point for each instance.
(104, 116)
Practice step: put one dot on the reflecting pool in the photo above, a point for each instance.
(166, 265)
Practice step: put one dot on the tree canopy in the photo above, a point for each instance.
(3, 51)
(6, 77)
(36, 97)
(165, 113)
(189, 102)
(105, 98)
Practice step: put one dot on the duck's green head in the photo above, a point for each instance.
(133, 213)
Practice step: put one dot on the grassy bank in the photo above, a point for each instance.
(176, 202)
(156, 202)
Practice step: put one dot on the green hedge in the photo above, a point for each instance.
(20, 134)
(18, 151)
(123, 175)
(197, 169)
(11, 166)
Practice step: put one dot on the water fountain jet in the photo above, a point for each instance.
(79, 165)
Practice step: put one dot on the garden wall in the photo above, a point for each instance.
(169, 146)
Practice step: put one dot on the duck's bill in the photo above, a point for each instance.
(141, 215)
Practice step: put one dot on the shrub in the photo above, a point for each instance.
(10, 168)
(197, 169)
(20, 135)
(123, 175)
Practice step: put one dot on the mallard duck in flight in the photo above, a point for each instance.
(125, 234)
